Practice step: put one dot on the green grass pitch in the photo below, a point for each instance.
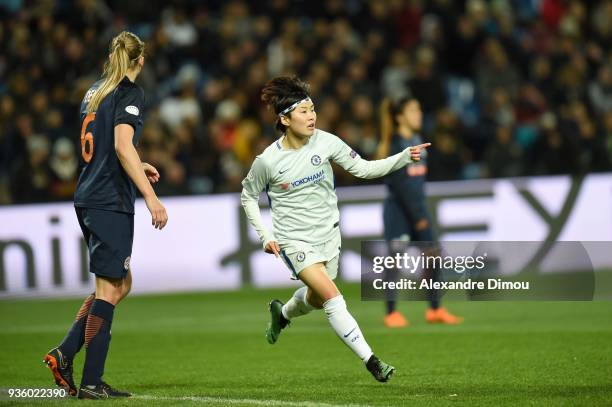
(209, 348)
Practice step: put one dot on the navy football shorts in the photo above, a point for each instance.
(109, 236)
(398, 221)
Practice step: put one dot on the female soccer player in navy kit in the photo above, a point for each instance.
(405, 212)
(111, 121)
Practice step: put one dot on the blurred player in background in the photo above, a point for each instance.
(111, 117)
(405, 212)
(296, 173)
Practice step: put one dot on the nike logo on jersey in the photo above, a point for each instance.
(283, 171)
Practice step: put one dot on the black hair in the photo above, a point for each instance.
(397, 107)
(389, 111)
(281, 92)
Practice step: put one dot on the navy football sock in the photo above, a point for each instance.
(434, 299)
(97, 341)
(75, 337)
(430, 248)
(390, 306)
(390, 275)
(434, 294)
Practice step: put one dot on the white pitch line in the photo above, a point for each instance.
(254, 402)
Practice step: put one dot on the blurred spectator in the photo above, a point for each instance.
(426, 84)
(509, 88)
(606, 133)
(64, 165)
(503, 156)
(446, 161)
(174, 110)
(396, 75)
(552, 153)
(600, 90)
(179, 29)
(495, 72)
(31, 179)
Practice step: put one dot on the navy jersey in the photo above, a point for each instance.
(103, 183)
(407, 185)
(406, 203)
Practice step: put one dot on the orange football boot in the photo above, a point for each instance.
(441, 316)
(395, 320)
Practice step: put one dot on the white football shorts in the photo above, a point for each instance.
(297, 256)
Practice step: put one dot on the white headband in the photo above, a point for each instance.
(293, 106)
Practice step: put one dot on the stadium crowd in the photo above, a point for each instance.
(508, 87)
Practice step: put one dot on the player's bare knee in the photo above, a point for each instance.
(329, 294)
(125, 291)
(317, 299)
(127, 284)
(108, 290)
(113, 297)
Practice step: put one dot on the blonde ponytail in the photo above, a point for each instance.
(125, 50)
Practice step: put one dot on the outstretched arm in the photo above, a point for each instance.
(348, 159)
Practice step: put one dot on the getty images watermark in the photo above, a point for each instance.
(459, 264)
(482, 270)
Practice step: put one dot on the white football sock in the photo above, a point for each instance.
(297, 305)
(346, 327)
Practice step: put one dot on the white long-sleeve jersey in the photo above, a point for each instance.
(301, 190)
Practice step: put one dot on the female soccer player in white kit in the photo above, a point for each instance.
(296, 173)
